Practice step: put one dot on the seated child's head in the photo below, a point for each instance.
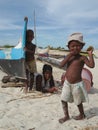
(47, 71)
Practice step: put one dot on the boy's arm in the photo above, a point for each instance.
(89, 62)
(66, 59)
(30, 51)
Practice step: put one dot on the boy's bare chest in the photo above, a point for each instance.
(75, 61)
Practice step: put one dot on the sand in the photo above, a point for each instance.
(37, 111)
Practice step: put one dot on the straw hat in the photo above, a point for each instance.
(76, 37)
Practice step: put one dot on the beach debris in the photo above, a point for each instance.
(32, 95)
(13, 84)
(32, 128)
(90, 128)
(8, 78)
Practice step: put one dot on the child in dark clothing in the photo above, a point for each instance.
(45, 82)
(30, 59)
(48, 84)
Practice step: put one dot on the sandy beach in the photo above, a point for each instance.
(37, 111)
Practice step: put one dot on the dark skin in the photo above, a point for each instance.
(30, 47)
(29, 54)
(75, 63)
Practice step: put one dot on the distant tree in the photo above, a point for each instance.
(54, 48)
(8, 46)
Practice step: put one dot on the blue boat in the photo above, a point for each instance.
(12, 61)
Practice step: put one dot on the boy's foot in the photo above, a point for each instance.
(79, 117)
(62, 120)
(30, 89)
(25, 90)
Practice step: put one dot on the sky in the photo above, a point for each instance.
(55, 21)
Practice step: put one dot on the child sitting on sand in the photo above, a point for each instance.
(45, 82)
(73, 87)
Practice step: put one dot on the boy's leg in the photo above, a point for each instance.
(27, 81)
(66, 114)
(81, 115)
(31, 81)
(39, 82)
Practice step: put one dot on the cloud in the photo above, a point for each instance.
(54, 19)
(8, 25)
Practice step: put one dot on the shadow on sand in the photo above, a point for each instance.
(93, 90)
(91, 112)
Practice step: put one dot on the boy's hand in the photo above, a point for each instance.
(25, 49)
(26, 19)
(72, 53)
(90, 52)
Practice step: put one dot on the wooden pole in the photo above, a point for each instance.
(35, 29)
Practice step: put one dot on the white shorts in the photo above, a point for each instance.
(74, 92)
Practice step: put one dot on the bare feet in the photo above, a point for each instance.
(79, 117)
(25, 90)
(62, 120)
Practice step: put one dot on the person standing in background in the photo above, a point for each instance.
(30, 59)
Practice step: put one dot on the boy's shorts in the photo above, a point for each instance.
(74, 92)
(31, 66)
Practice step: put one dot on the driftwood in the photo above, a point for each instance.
(33, 96)
(89, 128)
(12, 84)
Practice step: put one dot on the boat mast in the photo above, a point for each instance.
(35, 29)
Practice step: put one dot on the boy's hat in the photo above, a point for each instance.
(76, 37)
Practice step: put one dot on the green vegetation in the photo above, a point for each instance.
(7, 46)
(56, 48)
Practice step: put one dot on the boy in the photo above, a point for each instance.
(73, 87)
(30, 59)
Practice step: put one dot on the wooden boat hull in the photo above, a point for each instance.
(12, 61)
